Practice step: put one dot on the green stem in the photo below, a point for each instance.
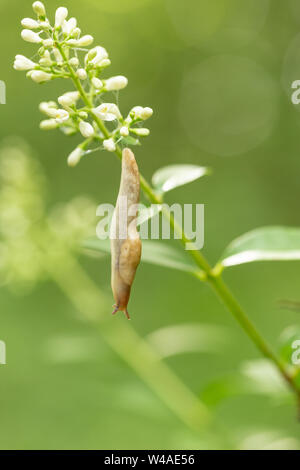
(122, 338)
(214, 278)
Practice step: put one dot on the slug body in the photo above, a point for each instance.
(125, 241)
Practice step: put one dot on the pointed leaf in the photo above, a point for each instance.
(153, 252)
(264, 244)
(187, 338)
(172, 176)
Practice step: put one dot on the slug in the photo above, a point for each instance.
(126, 246)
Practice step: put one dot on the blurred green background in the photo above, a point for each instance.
(218, 76)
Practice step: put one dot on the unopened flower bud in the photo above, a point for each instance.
(39, 9)
(30, 36)
(124, 131)
(49, 108)
(69, 26)
(83, 115)
(96, 55)
(39, 76)
(146, 113)
(85, 41)
(23, 63)
(48, 124)
(76, 33)
(69, 99)
(97, 83)
(104, 63)
(86, 129)
(109, 145)
(142, 132)
(58, 56)
(44, 24)
(74, 62)
(46, 60)
(60, 16)
(75, 157)
(29, 23)
(136, 112)
(48, 42)
(81, 74)
(116, 83)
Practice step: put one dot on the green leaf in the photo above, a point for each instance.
(268, 439)
(264, 244)
(172, 176)
(153, 252)
(129, 140)
(189, 338)
(257, 377)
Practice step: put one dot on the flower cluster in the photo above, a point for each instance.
(84, 110)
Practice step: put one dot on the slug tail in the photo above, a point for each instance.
(117, 308)
(127, 314)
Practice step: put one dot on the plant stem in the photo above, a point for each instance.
(214, 279)
(122, 338)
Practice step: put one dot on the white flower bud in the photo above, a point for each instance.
(49, 108)
(48, 42)
(30, 36)
(29, 23)
(85, 41)
(69, 26)
(76, 32)
(46, 59)
(107, 112)
(109, 145)
(116, 83)
(22, 63)
(81, 74)
(86, 129)
(97, 83)
(142, 132)
(39, 9)
(74, 62)
(96, 55)
(60, 16)
(137, 111)
(104, 63)
(83, 115)
(61, 116)
(124, 131)
(38, 76)
(69, 99)
(58, 56)
(128, 120)
(75, 157)
(146, 113)
(45, 24)
(72, 42)
(48, 124)
(141, 113)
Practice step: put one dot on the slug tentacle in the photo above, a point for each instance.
(125, 240)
